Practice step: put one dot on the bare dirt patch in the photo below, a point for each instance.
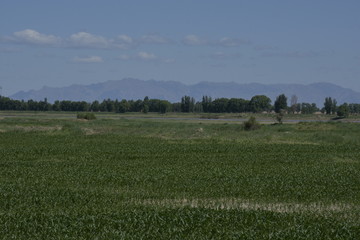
(92, 131)
(235, 203)
(89, 131)
(345, 160)
(37, 128)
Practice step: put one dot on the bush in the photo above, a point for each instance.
(280, 115)
(87, 116)
(251, 124)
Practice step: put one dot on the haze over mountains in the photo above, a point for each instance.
(130, 88)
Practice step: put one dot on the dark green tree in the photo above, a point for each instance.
(307, 108)
(333, 106)
(176, 107)
(354, 108)
(280, 103)
(260, 103)
(328, 105)
(145, 105)
(123, 106)
(206, 104)
(56, 106)
(220, 105)
(187, 104)
(95, 106)
(343, 110)
(198, 107)
(164, 106)
(237, 105)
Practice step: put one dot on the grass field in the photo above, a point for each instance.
(62, 178)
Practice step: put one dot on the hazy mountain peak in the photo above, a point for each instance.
(131, 88)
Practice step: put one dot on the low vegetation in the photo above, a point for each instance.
(251, 124)
(87, 116)
(177, 179)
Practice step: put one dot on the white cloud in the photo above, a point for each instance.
(124, 57)
(146, 56)
(125, 39)
(224, 42)
(169, 60)
(77, 40)
(154, 38)
(30, 36)
(84, 39)
(88, 40)
(223, 55)
(264, 47)
(194, 40)
(91, 59)
(232, 42)
(294, 54)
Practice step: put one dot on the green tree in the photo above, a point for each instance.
(176, 107)
(220, 105)
(56, 106)
(333, 106)
(164, 106)
(237, 105)
(280, 103)
(95, 106)
(307, 108)
(136, 106)
(260, 103)
(65, 105)
(145, 105)
(343, 110)
(328, 105)
(206, 104)
(123, 106)
(354, 108)
(187, 104)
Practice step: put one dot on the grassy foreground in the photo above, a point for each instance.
(152, 179)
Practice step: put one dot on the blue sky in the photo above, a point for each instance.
(59, 43)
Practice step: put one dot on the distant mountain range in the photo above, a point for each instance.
(130, 88)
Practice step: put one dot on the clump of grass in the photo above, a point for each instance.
(251, 124)
(87, 116)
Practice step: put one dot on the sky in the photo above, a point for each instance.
(60, 43)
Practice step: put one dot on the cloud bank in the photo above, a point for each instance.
(93, 41)
(30, 36)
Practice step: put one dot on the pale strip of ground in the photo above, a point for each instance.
(345, 209)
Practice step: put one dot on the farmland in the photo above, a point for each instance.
(62, 178)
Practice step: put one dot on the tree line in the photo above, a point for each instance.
(257, 104)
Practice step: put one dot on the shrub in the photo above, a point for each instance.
(251, 124)
(87, 116)
(280, 115)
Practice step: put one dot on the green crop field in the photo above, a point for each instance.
(62, 178)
